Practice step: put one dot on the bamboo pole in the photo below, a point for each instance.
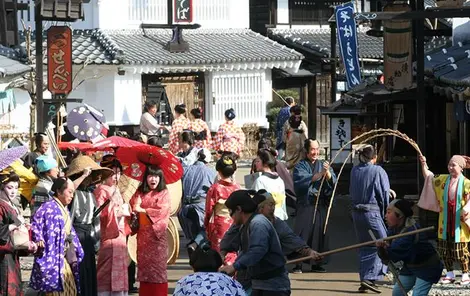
(360, 245)
(363, 138)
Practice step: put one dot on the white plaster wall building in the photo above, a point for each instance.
(227, 65)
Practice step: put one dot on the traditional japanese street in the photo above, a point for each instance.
(341, 277)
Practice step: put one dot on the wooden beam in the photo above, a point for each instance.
(15, 22)
(429, 13)
(10, 5)
(3, 23)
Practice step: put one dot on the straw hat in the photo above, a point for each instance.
(82, 162)
(176, 193)
(173, 244)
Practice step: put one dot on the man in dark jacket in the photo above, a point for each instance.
(261, 254)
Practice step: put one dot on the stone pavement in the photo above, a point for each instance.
(341, 277)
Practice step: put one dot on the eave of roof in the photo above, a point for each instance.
(210, 50)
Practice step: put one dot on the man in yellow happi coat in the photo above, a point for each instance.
(452, 192)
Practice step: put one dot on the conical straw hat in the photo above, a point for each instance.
(81, 162)
(173, 244)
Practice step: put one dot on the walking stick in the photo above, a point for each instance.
(393, 269)
(360, 245)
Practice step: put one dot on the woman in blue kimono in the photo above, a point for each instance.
(308, 174)
(421, 264)
(369, 192)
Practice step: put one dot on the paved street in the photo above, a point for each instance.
(342, 276)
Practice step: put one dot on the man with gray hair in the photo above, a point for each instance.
(369, 191)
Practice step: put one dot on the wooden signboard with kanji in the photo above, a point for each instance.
(183, 11)
(59, 60)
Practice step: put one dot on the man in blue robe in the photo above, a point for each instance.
(197, 178)
(369, 192)
(308, 174)
(282, 117)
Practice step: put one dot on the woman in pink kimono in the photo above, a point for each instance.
(112, 256)
(152, 203)
(217, 219)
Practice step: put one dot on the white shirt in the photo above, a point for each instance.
(273, 184)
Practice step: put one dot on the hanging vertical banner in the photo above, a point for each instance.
(183, 11)
(59, 60)
(347, 39)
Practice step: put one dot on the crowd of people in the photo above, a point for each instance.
(239, 238)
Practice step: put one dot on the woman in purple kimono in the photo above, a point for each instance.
(369, 192)
(10, 219)
(56, 265)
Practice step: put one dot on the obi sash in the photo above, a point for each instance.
(458, 208)
(220, 209)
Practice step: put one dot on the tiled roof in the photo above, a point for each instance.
(86, 44)
(11, 62)
(450, 65)
(207, 47)
(319, 41)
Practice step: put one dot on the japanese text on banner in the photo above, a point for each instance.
(59, 60)
(347, 39)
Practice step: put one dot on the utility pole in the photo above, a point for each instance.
(39, 69)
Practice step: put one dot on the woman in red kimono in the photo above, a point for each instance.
(112, 255)
(202, 133)
(152, 203)
(229, 137)
(179, 124)
(217, 219)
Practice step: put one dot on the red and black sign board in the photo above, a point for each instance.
(183, 11)
(59, 60)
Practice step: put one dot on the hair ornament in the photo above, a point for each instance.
(227, 161)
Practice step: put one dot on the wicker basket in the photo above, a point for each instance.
(449, 3)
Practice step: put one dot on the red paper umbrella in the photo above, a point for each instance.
(135, 159)
(71, 145)
(116, 142)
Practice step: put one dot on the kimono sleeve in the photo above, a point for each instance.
(400, 249)
(210, 203)
(174, 137)
(382, 190)
(159, 212)
(302, 176)
(208, 134)
(78, 246)
(4, 226)
(259, 245)
(231, 241)
(37, 224)
(303, 127)
(218, 139)
(150, 122)
(290, 242)
(241, 139)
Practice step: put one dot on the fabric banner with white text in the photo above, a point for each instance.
(347, 39)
